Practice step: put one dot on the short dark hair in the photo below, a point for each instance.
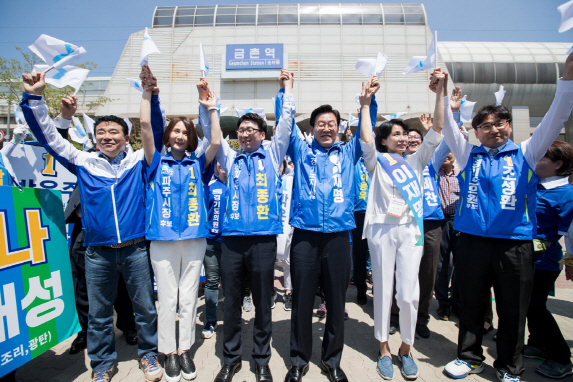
(500, 111)
(384, 130)
(255, 118)
(322, 110)
(562, 151)
(192, 139)
(417, 130)
(112, 118)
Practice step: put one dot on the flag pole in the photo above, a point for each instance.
(47, 70)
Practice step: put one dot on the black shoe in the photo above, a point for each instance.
(423, 331)
(369, 278)
(393, 327)
(295, 374)
(188, 370)
(287, 301)
(455, 310)
(443, 312)
(263, 373)
(361, 298)
(172, 368)
(227, 372)
(80, 343)
(335, 374)
(131, 336)
(352, 280)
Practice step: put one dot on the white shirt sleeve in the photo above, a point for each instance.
(369, 155)
(454, 137)
(280, 143)
(225, 155)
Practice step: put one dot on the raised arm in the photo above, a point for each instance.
(147, 140)
(365, 129)
(441, 80)
(372, 87)
(158, 122)
(285, 123)
(210, 103)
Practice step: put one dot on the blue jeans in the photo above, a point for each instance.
(103, 267)
(212, 275)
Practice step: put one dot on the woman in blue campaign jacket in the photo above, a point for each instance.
(554, 216)
(177, 226)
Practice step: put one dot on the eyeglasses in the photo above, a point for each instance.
(500, 125)
(246, 131)
(323, 125)
(414, 138)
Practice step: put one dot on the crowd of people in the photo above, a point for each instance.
(418, 202)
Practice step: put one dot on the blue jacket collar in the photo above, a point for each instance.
(168, 157)
(261, 151)
(318, 147)
(509, 146)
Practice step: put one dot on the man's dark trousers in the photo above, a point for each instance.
(255, 254)
(324, 258)
(359, 253)
(507, 265)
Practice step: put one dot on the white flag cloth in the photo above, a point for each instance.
(372, 66)
(129, 125)
(352, 120)
(260, 112)
(499, 95)
(56, 52)
(357, 99)
(570, 50)
(466, 110)
(136, 84)
(566, 16)
(203, 63)
(89, 123)
(66, 76)
(148, 47)
(420, 63)
(394, 116)
(342, 127)
(77, 132)
(19, 115)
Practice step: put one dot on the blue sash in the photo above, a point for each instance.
(407, 183)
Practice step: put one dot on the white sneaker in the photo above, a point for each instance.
(460, 369)
(504, 376)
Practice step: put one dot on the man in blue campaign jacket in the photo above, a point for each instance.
(496, 218)
(113, 216)
(252, 221)
(322, 211)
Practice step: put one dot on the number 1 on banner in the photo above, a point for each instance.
(50, 165)
(390, 159)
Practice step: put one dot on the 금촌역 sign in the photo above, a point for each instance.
(254, 56)
(37, 306)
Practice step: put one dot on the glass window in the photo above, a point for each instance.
(205, 10)
(415, 19)
(226, 10)
(352, 19)
(309, 14)
(413, 9)
(393, 9)
(464, 72)
(268, 10)
(246, 10)
(185, 11)
(504, 73)
(372, 14)
(267, 19)
(526, 73)
(394, 19)
(484, 73)
(204, 20)
(246, 19)
(184, 20)
(165, 11)
(225, 19)
(162, 21)
(330, 19)
(287, 8)
(561, 66)
(288, 19)
(546, 73)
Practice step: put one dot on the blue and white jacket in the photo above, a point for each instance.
(216, 207)
(323, 190)
(361, 185)
(432, 203)
(7, 176)
(253, 181)
(113, 202)
(498, 196)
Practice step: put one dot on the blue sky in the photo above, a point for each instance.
(103, 26)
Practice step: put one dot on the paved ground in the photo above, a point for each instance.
(358, 360)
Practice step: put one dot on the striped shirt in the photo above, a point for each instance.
(449, 190)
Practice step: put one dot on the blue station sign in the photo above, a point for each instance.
(254, 56)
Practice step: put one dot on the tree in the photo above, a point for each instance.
(10, 78)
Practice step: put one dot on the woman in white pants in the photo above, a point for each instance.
(393, 222)
(177, 223)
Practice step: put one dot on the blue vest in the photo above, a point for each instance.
(432, 204)
(497, 197)
(5, 178)
(216, 207)
(361, 186)
(253, 196)
(176, 199)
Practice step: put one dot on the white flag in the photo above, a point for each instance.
(357, 99)
(342, 127)
(136, 84)
(260, 112)
(566, 16)
(203, 63)
(570, 50)
(19, 115)
(148, 47)
(371, 66)
(77, 132)
(466, 110)
(420, 63)
(66, 76)
(352, 120)
(394, 116)
(56, 52)
(129, 125)
(499, 95)
(89, 125)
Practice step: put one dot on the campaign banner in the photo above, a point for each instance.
(37, 306)
(36, 168)
(284, 238)
(254, 56)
